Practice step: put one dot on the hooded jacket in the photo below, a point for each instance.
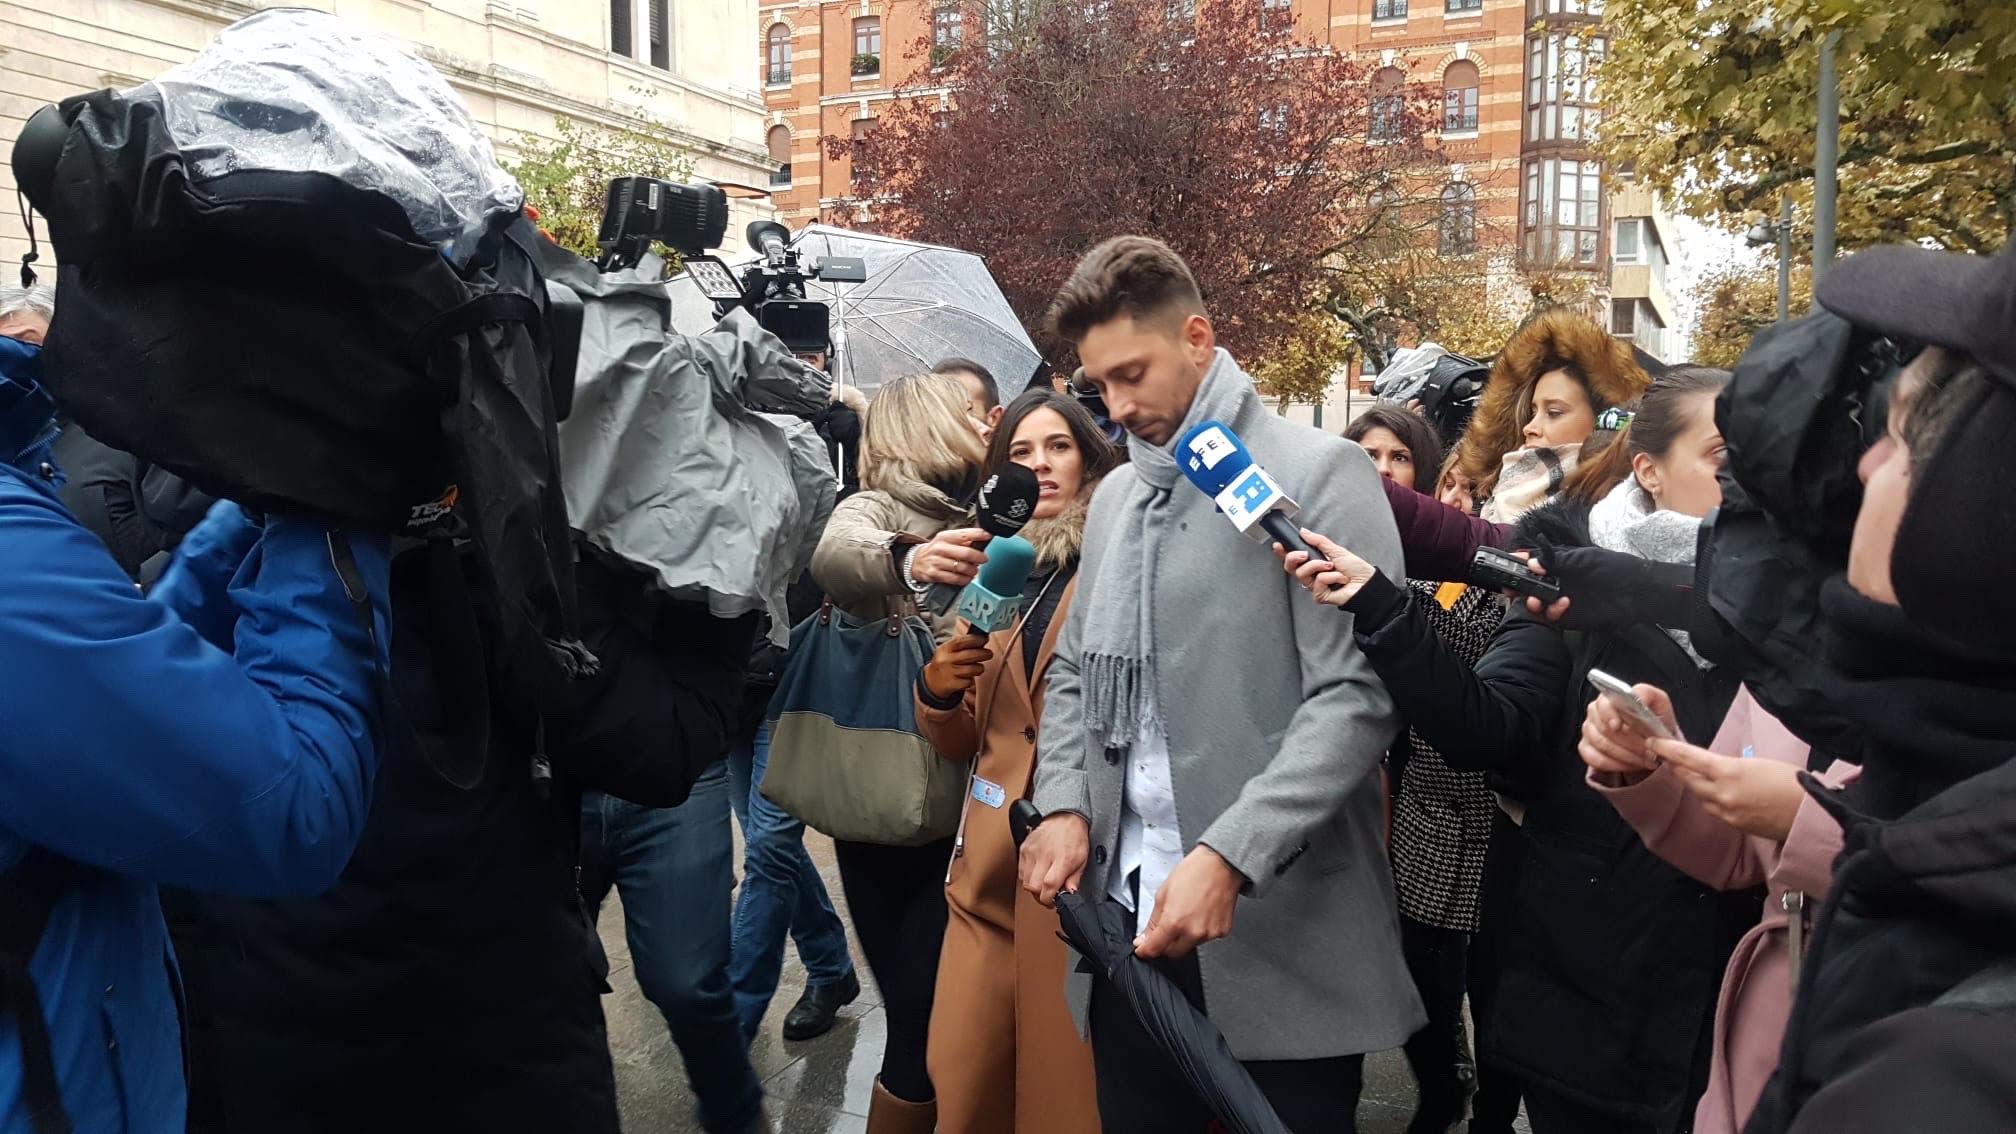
(1920, 905)
(139, 748)
(1554, 338)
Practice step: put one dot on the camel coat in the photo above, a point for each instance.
(1004, 1055)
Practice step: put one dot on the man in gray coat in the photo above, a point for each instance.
(1210, 735)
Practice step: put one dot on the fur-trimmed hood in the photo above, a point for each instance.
(1553, 337)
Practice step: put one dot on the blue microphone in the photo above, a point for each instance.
(1213, 458)
(993, 599)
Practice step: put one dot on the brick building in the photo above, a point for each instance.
(1518, 115)
(829, 67)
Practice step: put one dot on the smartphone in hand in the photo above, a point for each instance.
(1619, 694)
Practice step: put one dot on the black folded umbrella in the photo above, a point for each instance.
(1098, 931)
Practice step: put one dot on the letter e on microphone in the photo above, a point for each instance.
(1252, 496)
(1210, 447)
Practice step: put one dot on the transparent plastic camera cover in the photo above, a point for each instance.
(297, 91)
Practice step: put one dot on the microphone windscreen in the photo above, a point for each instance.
(1212, 456)
(1010, 559)
(1007, 500)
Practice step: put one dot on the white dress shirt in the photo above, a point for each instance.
(1150, 840)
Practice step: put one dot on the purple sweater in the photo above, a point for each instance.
(1439, 540)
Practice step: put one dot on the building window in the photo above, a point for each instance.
(1538, 8)
(1624, 242)
(1180, 11)
(619, 27)
(1459, 97)
(661, 35)
(1389, 104)
(867, 46)
(779, 42)
(1462, 7)
(1274, 120)
(1389, 9)
(1623, 316)
(1276, 17)
(1561, 88)
(780, 155)
(1563, 211)
(1458, 222)
(863, 164)
(947, 33)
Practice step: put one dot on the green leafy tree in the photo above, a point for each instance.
(1737, 299)
(1304, 359)
(1714, 102)
(566, 177)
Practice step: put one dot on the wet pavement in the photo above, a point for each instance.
(822, 1086)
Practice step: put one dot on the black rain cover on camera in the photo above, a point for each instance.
(1796, 418)
(288, 338)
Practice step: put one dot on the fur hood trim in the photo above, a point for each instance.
(851, 397)
(1059, 539)
(1554, 336)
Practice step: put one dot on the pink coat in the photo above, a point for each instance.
(1757, 989)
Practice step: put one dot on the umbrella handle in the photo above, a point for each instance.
(1022, 819)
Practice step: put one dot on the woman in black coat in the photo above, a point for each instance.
(1613, 958)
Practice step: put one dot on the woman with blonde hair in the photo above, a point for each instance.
(908, 527)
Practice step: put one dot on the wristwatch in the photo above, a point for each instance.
(908, 579)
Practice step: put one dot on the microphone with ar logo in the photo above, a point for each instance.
(1007, 502)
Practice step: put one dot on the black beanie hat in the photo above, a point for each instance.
(1956, 543)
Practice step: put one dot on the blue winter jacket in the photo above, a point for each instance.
(131, 742)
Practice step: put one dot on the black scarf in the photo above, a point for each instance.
(1930, 712)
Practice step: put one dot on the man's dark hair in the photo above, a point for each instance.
(956, 366)
(1137, 276)
(1952, 386)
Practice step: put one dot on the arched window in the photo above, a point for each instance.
(779, 41)
(1389, 104)
(1458, 227)
(780, 155)
(1459, 97)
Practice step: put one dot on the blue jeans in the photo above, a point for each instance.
(781, 893)
(673, 869)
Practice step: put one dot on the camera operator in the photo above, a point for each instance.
(216, 734)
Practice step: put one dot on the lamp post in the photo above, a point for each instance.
(1826, 156)
(1765, 232)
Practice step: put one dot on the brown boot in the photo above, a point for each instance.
(888, 1114)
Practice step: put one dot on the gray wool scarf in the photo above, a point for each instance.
(1117, 666)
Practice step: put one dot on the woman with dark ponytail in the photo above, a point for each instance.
(1612, 956)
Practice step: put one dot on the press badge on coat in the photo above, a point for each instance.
(988, 792)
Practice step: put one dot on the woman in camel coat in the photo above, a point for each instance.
(1003, 1052)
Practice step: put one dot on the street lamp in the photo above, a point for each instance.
(1765, 232)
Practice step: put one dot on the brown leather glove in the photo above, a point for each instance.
(955, 666)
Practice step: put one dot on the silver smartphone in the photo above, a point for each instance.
(1627, 702)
